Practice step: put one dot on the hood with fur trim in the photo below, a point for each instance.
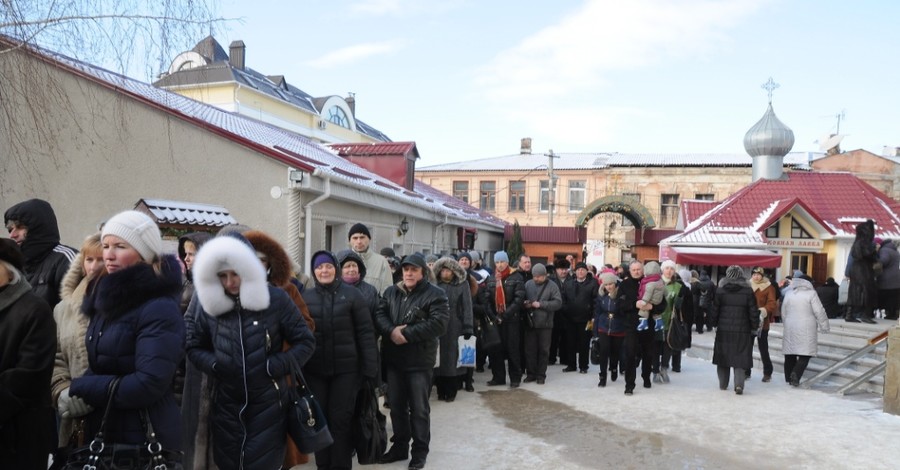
(198, 239)
(221, 254)
(117, 293)
(459, 274)
(280, 268)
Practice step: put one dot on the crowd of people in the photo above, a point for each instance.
(202, 342)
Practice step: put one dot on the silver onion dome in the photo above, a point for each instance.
(769, 137)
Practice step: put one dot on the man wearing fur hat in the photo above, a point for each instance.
(377, 267)
(412, 317)
(32, 225)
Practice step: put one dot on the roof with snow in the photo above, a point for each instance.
(371, 149)
(287, 147)
(837, 202)
(186, 213)
(601, 160)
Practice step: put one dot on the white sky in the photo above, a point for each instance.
(467, 79)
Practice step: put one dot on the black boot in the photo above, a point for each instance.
(795, 382)
(602, 380)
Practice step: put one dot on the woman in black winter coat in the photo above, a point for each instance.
(237, 339)
(863, 292)
(27, 346)
(344, 358)
(136, 333)
(736, 318)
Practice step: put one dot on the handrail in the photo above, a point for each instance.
(862, 378)
(872, 343)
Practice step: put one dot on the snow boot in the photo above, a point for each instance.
(642, 326)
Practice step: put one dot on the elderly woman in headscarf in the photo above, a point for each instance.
(736, 318)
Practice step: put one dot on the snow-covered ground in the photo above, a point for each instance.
(570, 423)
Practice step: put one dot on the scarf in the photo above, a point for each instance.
(352, 280)
(761, 285)
(646, 280)
(499, 294)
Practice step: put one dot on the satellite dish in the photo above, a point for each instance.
(831, 142)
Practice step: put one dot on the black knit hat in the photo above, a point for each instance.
(10, 253)
(359, 228)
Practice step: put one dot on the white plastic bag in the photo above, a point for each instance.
(843, 291)
(466, 357)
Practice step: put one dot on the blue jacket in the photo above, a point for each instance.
(136, 332)
(609, 318)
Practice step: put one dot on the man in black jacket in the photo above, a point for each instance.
(507, 291)
(412, 317)
(637, 343)
(32, 225)
(579, 294)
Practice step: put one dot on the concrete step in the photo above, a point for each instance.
(843, 339)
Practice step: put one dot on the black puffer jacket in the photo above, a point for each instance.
(627, 297)
(578, 299)
(513, 291)
(345, 337)
(370, 294)
(425, 311)
(734, 309)
(46, 261)
(238, 341)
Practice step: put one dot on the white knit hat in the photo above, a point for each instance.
(668, 264)
(139, 230)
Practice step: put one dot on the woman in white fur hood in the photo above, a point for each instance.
(237, 339)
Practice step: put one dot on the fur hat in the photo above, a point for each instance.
(608, 278)
(228, 253)
(734, 272)
(538, 270)
(138, 230)
(667, 264)
(561, 264)
(431, 258)
(358, 228)
(501, 256)
(10, 253)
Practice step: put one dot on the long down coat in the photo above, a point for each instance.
(803, 315)
(459, 295)
(736, 317)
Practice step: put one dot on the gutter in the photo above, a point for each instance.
(435, 232)
(307, 226)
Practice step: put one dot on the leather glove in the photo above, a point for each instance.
(72, 406)
(467, 336)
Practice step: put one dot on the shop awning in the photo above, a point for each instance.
(685, 255)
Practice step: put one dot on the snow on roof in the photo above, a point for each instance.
(282, 145)
(188, 213)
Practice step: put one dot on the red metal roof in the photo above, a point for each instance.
(839, 201)
(532, 234)
(374, 149)
(692, 209)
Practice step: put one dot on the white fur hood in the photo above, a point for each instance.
(224, 253)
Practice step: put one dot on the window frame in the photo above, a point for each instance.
(487, 198)
(517, 196)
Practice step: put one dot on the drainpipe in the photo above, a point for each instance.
(307, 228)
(434, 236)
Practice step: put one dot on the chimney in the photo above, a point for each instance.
(351, 102)
(237, 54)
(890, 151)
(525, 148)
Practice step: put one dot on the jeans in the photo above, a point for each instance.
(410, 411)
(537, 347)
(610, 352)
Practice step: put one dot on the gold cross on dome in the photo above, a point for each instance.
(770, 86)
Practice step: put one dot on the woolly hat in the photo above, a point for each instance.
(358, 228)
(608, 278)
(501, 256)
(464, 254)
(538, 270)
(667, 264)
(323, 257)
(387, 252)
(734, 272)
(138, 230)
(475, 256)
(10, 253)
(878, 241)
(431, 258)
(580, 265)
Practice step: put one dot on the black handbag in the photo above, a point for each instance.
(490, 335)
(678, 337)
(370, 432)
(306, 421)
(102, 455)
(595, 351)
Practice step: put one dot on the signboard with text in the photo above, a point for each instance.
(796, 243)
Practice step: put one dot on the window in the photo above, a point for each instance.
(668, 210)
(338, 116)
(545, 196)
(488, 198)
(705, 197)
(800, 261)
(772, 231)
(625, 221)
(517, 196)
(461, 190)
(797, 230)
(576, 195)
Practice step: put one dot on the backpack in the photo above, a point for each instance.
(705, 301)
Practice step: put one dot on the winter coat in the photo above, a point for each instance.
(425, 311)
(371, 295)
(513, 292)
(890, 263)
(550, 299)
(678, 299)
(736, 318)
(863, 291)
(460, 322)
(704, 293)
(627, 296)
(802, 314)
(578, 299)
(280, 274)
(766, 299)
(378, 270)
(46, 260)
(71, 327)
(828, 294)
(136, 332)
(609, 316)
(345, 338)
(27, 344)
(238, 341)
(198, 239)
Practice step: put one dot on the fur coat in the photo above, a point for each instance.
(460, 323)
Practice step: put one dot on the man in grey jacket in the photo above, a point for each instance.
(542, 298)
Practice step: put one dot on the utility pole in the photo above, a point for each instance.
(550, 198)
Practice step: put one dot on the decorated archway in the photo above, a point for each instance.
(628, 206)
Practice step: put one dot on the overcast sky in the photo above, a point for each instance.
(467, 79)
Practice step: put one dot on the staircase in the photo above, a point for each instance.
(843, 339)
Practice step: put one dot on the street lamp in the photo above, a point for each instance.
(404, 226)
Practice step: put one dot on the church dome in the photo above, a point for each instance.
(769, 137)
